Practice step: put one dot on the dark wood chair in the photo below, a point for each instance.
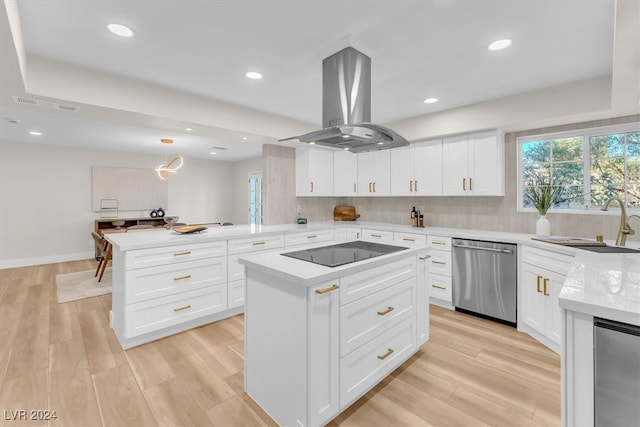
(103, 256)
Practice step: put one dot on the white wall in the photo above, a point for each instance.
(45, 198)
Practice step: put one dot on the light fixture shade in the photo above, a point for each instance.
(165, 171)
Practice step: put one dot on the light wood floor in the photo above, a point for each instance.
(64, 357)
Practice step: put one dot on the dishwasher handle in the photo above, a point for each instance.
(480, 248)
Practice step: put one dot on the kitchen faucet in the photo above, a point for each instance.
(624, 225)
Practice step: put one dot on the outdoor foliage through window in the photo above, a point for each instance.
(586, 168)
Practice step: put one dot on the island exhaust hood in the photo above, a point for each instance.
(346, 107)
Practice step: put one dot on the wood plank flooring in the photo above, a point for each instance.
(64, 357)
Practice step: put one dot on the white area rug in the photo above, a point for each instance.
(81, 285)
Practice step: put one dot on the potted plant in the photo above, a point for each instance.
(543, 195)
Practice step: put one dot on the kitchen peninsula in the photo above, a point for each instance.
(317, 337)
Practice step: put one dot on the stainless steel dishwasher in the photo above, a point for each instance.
(484, 279)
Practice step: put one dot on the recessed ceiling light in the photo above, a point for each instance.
(499, 44)
(188, 129)
(312, 143)
(346, 148)
(430, 100)
(380, 143)
(254, 75)
(212, 152)
(35, 133)
(244, 138)
(120, 30)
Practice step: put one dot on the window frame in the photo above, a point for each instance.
(586, 134)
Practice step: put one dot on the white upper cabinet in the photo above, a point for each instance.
(374, 173)
(314, 172)
(345, 173)
(473, 165)
(416, 170)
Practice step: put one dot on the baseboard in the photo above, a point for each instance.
(26, 262)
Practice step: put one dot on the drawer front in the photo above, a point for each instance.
(550, 260)
(235, 270)
(441, 262)
(173, 254)
(364, 283)
(256, 243)
(153, 315)
(410, 239)
(235, 297)
(377, 235)
(308, 237)
(369, 364)
(154, 282)
(439, 243)
(368, 317)
(440, 287)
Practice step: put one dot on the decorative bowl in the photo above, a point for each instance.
(117, 223)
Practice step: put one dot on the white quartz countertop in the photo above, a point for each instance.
(604, 285)
(306, 273)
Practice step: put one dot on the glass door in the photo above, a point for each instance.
(255, 198)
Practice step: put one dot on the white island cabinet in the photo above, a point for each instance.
(318, 338)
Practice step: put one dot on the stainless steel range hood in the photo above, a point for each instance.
(346, 107)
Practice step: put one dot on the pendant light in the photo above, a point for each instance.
(167, 169)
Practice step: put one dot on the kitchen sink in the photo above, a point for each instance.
(608, 249)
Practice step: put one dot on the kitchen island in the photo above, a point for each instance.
(317, 338)
(598, 286)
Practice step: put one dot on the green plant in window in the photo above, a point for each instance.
(543, 194)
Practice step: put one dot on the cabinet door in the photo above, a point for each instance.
(427, 176)
(422, 297)
(486, 164)
(455, 177)
(374, 173)
(323, 355)
(345, 173)
(533, 306)
(314, 172)
(366, 169)
(402, 171)
(553, 315)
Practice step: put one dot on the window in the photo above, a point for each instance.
(588, 167)
(255, 198)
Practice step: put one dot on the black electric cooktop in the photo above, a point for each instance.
(343, 253)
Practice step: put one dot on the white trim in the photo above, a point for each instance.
(51, 259)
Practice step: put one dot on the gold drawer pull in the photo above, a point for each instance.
(325, 290)
(464, 184)
(259, 243)
(546, 283)
(313, 236)
(438, 287)
(374, 187)
(376, 235)
(411, 185)
(182, 253)
(387, 311)
(538, 284)
(437, 242)
(387, 354)
(422, 258)
(415, 186)
(188, 276)
(438, 262)
(311, 186)
(354, 187)
(408, 239)
(186, 307)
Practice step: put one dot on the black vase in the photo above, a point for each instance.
(154, 214)
(160, 212)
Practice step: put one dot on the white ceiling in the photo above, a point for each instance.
(419, 49)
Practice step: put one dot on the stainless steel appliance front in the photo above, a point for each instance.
(485, 279)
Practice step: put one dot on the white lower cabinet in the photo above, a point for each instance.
(542, 275)
(423, 292)
(379, 236)
(311, 352)
(308, 237)
(441, 273)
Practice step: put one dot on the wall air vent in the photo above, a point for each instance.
(42, 103)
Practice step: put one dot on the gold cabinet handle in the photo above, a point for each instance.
(374, 187)
(408, 239)
(387, 354)
(376, 235)
(186, 307)
(438, 262)
(546, 282)
(437, 242)
(259, 243)
(470, 184)
(411, 185)
(311, 186)
(182, 253)
(354, 187)
(538, 284)
(438, 287)
(188, 276)
(415, 185)
(422, 258)
(312, 236)
(464, 184)
(387, 311)
(358, 235)
(369, 187)
(325, 290)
